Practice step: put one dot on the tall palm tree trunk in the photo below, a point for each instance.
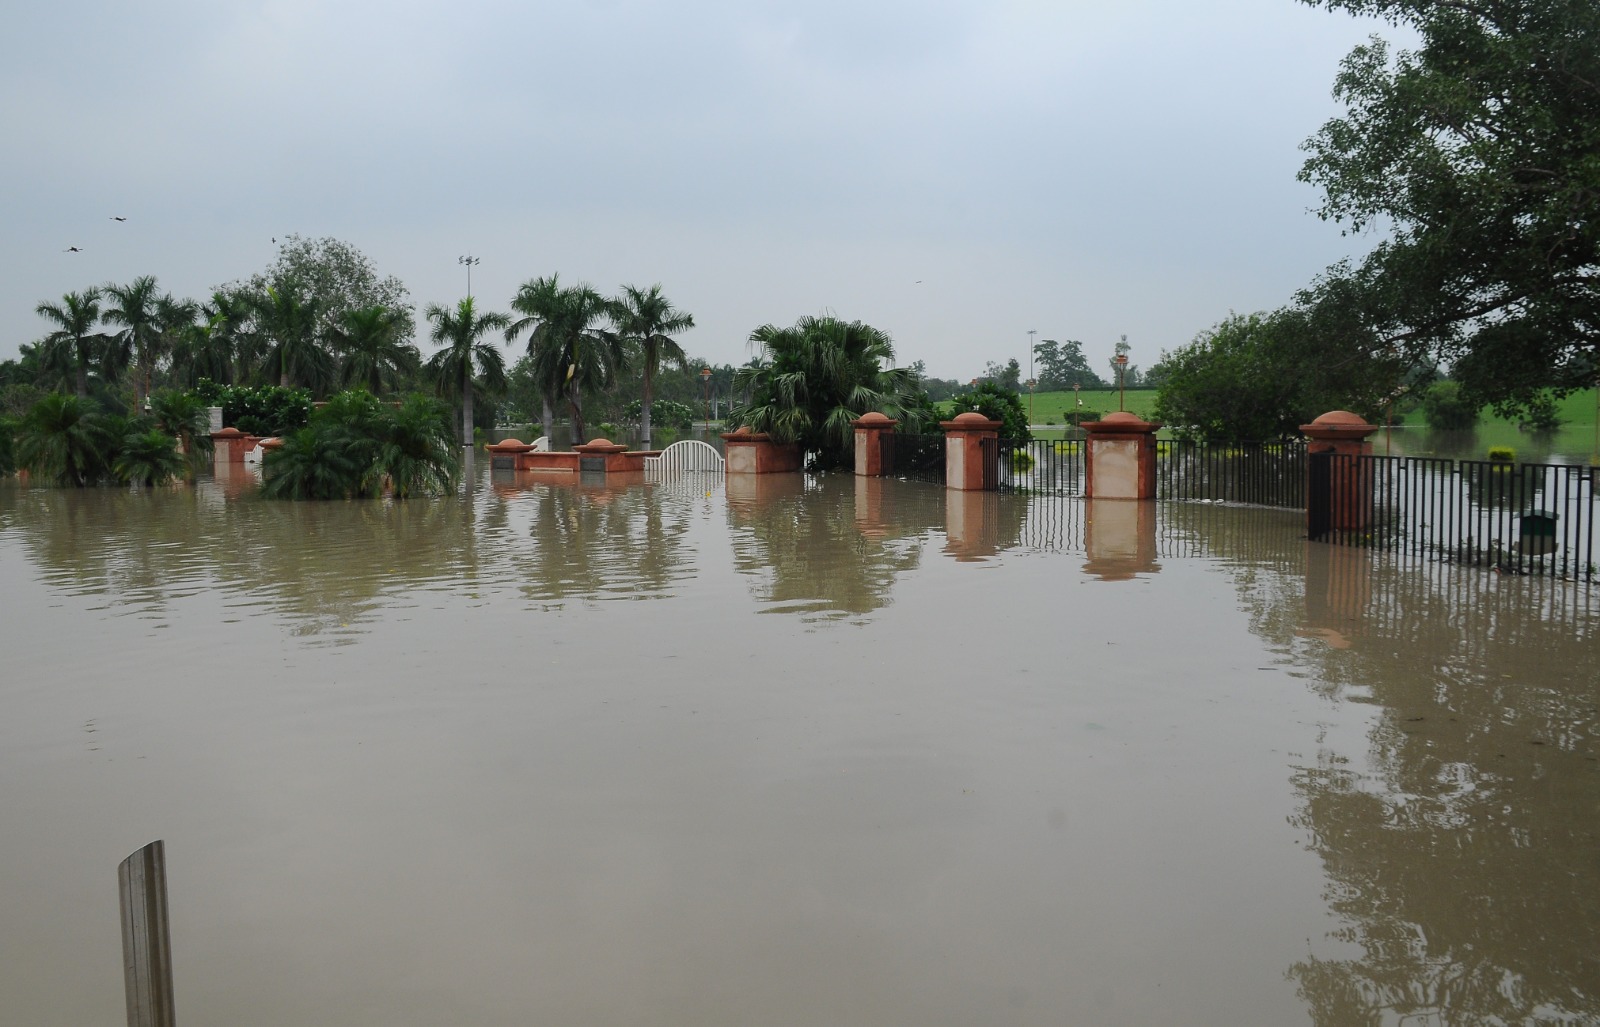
(644, 408)
(575, 401)
(466, 408)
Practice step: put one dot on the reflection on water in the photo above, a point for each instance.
(825, 547)
(1571, 444)
(1011, 759)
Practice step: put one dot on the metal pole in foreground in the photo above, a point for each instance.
(146, 944)
(705, 376)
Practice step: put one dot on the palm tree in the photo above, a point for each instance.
(568, 347)
(312, 463)
(290, 324)
(209, 348)
(646, 319)
(63, 441)
(539, 303)
(75, 317)
(135, 307)
(465, 355)
(372, 349)
(150, 458)
(183, 416)
(823, 373)
(415, 451)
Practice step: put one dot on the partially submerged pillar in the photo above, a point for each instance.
(230, 445)
(750, 452)
(873, 431)
(1339, 485)
(1120, 458)
(964, 462)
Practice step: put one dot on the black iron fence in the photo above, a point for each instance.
(913, 457)
(1514, 518)
(1258, 473)
(1038, 465)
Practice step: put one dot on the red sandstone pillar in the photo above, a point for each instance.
(1340, 439)
(1120, 458)
(230, 445)
(747, 452)
(870, 431)
(963, 452)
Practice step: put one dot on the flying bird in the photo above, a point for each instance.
(71, 249)
(115, 218)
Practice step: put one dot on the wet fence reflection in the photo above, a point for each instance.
(1454, 856)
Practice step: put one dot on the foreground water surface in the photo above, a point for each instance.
(789, 751)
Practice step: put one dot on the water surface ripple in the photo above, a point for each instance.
(787, 750)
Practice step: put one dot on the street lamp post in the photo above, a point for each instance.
(1031, 383)
(705, 376)
(469, 261)
(1031, 333)
(1122, 365)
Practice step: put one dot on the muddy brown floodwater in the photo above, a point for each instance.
(792, 751)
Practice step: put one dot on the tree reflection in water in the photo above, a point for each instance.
(814, 551)
(577, 540)
(1461, 846)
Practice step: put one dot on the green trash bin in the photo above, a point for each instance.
(1538, 533)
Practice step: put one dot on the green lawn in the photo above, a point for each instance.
(1051, 406)
(1576, 409)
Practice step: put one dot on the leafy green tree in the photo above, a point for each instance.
(312, 463)
(1481, 148)
(261, 410)
(569, 349)
(1063, 365)
(997, 403)
(416, 452)
(291, 324)
(1006, 376)
(373, 350)
(64, 442)
(336, 277)
(816, 377)
(354, 444)
(465, 356)
(646, 319)
(136, 307)
(219, 345)
(181, 415)
(74, 337)
(149, 458)
(1446, 409)
(1257, 377)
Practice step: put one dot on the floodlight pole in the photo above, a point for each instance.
(469, 261)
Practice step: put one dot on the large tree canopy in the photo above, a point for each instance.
(1258, 377)
(337, 277)
(1481, 150)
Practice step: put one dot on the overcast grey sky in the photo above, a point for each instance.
(1083, 168)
